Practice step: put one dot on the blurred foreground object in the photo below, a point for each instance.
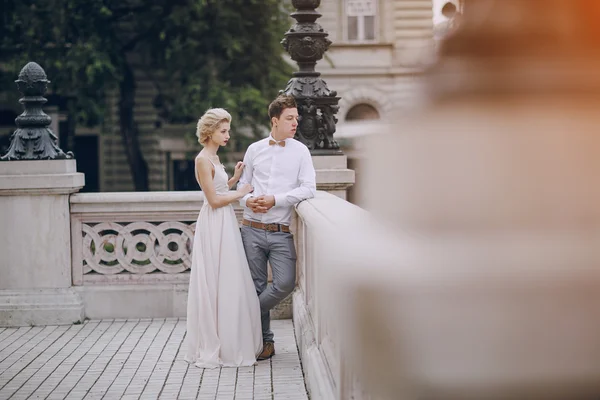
(485, 281)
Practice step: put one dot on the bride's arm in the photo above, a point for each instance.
(204, 173)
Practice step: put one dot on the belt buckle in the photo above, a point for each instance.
(273, 227)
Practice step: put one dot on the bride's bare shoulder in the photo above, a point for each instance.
(202, 162)
(202, 158)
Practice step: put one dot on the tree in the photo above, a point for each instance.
(72, 51)
(199, 53)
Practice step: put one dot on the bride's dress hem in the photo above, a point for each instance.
(220, 364)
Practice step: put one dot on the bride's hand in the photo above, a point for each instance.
(237, 171)
(245, 189)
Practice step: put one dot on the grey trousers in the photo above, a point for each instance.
(277, 248)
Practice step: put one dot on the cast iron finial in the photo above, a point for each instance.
(33, 139)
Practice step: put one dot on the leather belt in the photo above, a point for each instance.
(266, 227)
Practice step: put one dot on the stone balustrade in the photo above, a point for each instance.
(133, 237)
(131, 251)
(318, 224)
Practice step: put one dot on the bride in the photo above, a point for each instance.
(223, 311)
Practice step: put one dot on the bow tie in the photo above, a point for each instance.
(272, 142)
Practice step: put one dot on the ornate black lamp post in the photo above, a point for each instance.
(306, 42)
(33, 139)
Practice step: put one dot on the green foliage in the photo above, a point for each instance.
(70, 40)
(224, 53)
(200, 53)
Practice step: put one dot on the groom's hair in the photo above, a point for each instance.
(282, 102)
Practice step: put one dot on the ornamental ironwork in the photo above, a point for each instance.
(33, 139)
(307, 42)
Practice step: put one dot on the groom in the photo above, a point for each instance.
(281, 171)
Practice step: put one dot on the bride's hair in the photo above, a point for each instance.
(209, 122)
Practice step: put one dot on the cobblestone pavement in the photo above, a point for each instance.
(135, 359)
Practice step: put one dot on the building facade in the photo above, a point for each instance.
(379, 47)
(379, 50)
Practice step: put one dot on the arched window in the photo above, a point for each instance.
(361, 112)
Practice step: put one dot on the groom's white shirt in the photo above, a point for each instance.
(285, 172)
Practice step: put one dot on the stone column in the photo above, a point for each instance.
(36, 179)
(333, 175)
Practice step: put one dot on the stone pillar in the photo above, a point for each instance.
(333, 175)
(36, 179)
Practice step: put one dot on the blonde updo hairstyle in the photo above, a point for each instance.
(209, 123)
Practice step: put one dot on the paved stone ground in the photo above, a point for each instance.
(135, 359)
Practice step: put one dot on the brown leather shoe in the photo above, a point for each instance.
(268, 351)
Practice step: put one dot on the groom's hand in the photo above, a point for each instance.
(266, 201)
(252, 203)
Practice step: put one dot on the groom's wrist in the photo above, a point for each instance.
(279, 200)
